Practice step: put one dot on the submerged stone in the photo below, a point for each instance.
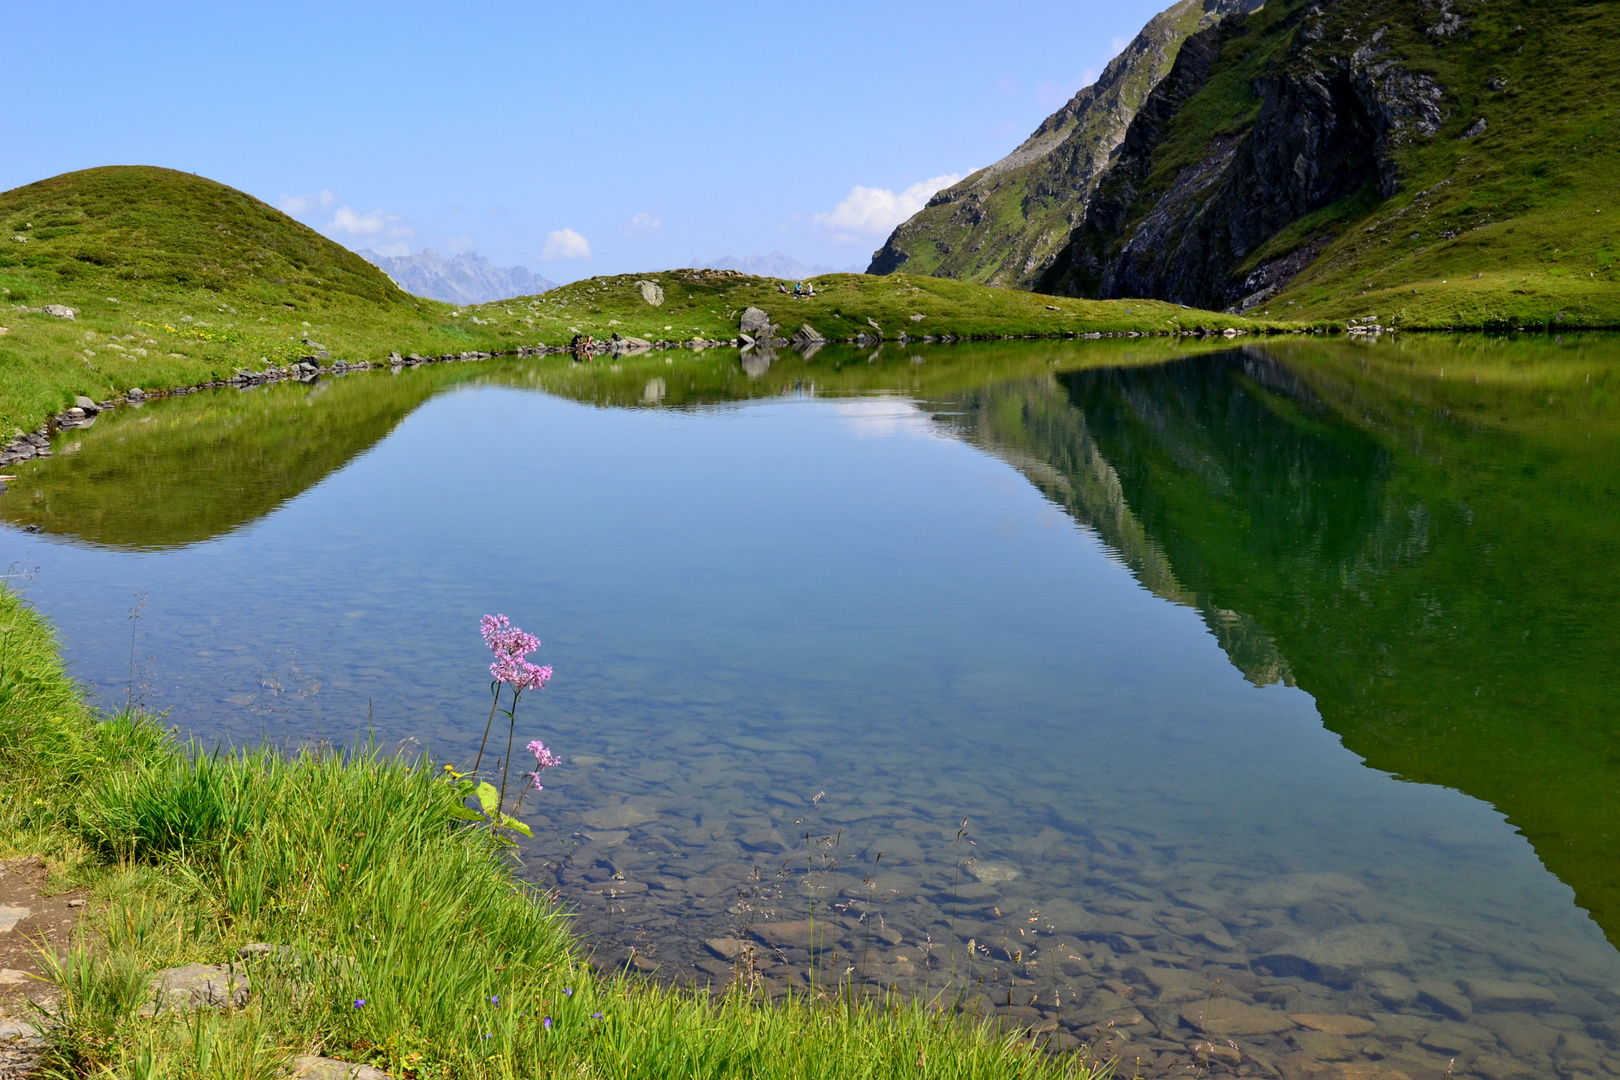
(1228, 1016)
(1336, 956)
(1500, 994)
(618, 817)
(1334, 1023)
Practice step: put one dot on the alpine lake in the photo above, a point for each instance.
(1246, 710)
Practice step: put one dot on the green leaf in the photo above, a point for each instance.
(515, 825)
(461, 813)
(489, 797)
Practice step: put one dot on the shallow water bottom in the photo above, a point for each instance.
(1143, 942)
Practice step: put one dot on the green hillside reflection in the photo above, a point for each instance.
(1422, 536)
(184, 470)
(188, 469)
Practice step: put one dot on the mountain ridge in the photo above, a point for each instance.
(774, 265)
(1439, 164)
(467, 278)
(1003, 224)
(1420, 162)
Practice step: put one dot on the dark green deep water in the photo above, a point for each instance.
(1272, 682)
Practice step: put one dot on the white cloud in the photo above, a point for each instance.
(565, 244)
(879, 418)
(869, 212)
(298, 205)
(641, 224)
(378, 223)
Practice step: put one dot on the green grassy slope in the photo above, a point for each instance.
(1506, 228)
(708, 304)
(1515, 227)
(178, 280)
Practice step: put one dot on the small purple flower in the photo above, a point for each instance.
(496, 1000)
(596, 1016)
(504, 639)
(519, 674)
(359, 1003)
(568, 991)
(546, 1023)
(543, 757)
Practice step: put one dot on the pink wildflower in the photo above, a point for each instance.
(491, 625)
(519, 674)
(505, 640)
(544, 759)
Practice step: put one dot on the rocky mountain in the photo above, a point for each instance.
(1443, 161)
(1003, 224)
(774, 265)
(468, 278)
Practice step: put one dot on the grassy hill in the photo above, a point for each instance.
(708, 303)
(1433, 164)
(177, 280)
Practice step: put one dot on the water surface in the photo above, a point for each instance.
(1193, 696)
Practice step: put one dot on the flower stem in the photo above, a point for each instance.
(506, 766)
(494, 700)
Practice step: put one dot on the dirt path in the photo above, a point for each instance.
(29, 919)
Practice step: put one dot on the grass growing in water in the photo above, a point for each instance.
(406, 941)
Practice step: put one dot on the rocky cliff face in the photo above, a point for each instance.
(1003, 224)
(1189, 199)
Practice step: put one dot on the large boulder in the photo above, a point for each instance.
(650, 292)
(621, 345)
(195, 986)
(310, 1067)
(755, 323)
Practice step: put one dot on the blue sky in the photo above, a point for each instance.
(575, 139)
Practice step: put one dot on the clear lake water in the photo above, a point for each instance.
(1248, 710)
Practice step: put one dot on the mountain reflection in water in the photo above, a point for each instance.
(1433, 560)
